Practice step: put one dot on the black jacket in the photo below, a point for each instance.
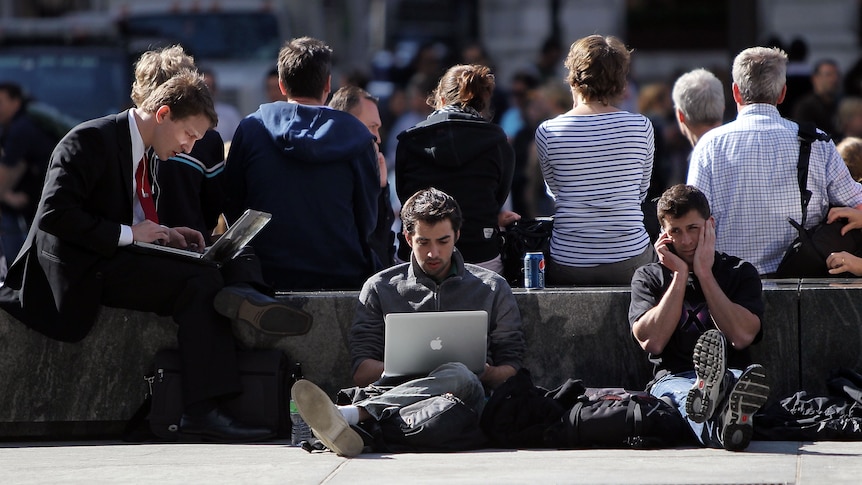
(469, 159)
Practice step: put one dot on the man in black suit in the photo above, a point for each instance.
(77, 255)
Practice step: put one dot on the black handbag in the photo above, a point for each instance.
(520, 238)
(806, 255)
(436, 424)
(619, 418)
(266, 380)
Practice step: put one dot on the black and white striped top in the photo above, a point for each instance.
(597, 168)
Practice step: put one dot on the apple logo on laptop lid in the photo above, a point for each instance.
(437, 344)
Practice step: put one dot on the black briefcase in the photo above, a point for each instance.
(266, 379)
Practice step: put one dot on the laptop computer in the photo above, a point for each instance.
(417, 343)
(227, 246)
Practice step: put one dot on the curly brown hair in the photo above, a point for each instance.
(464, 85)
(598, 67)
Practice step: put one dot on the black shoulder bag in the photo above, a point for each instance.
(521, 237)
(806, 255)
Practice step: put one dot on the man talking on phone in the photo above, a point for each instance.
(695, 313)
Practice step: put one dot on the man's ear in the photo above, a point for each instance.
(680, 116)
(457, 235)
(782, 95)
(408, 238)
(163, 112)
(737, 97)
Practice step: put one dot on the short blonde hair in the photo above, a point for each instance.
(850, 149)
(155, 67)
(186, 94)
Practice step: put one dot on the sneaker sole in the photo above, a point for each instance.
(324, 419)
(271, 318)
(747, 396)
(709, 366)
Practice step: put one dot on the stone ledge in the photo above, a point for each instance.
(89, 389)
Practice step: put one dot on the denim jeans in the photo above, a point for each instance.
(454, 378)
(676, 387)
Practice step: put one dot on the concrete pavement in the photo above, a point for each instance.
(95, 462)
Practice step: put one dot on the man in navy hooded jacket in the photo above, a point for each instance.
(313, 168)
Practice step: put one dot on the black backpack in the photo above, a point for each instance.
(436, 424)
(520, 238)
(522, 415)
(618, 418)
(439, 423)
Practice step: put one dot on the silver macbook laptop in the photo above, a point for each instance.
(227, 246)
(417, 343)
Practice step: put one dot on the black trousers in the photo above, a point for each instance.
(184, 290)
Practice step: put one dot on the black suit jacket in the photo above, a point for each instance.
(87, 196)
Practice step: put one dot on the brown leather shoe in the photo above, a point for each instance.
(263, 312)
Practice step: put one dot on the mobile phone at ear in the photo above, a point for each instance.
(669, 245)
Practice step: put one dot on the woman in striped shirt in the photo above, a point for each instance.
(597, 161)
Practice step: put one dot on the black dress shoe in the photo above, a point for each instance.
(245, 304)
(218, 426)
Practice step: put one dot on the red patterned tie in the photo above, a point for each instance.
(144, 191)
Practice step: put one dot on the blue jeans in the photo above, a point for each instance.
(676, 387)
(454, 378)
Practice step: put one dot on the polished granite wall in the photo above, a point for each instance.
(830, 332)
(90, 388)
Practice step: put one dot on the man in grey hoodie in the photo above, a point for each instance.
(435, 279)
(315, 170)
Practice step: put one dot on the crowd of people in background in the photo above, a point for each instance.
(332, 164)
(526, 185)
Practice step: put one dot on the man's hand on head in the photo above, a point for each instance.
(704, 255)
(667, 257)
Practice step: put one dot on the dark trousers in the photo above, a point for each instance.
(184, 290)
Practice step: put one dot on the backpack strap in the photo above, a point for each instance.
(807, 134)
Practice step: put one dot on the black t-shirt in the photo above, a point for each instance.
(738, 279)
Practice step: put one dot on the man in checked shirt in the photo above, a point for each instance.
(747, 168)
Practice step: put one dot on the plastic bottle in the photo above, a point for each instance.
(300, 431)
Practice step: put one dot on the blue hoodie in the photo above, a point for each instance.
(315, 170)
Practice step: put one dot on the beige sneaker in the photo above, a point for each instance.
(325, 419)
